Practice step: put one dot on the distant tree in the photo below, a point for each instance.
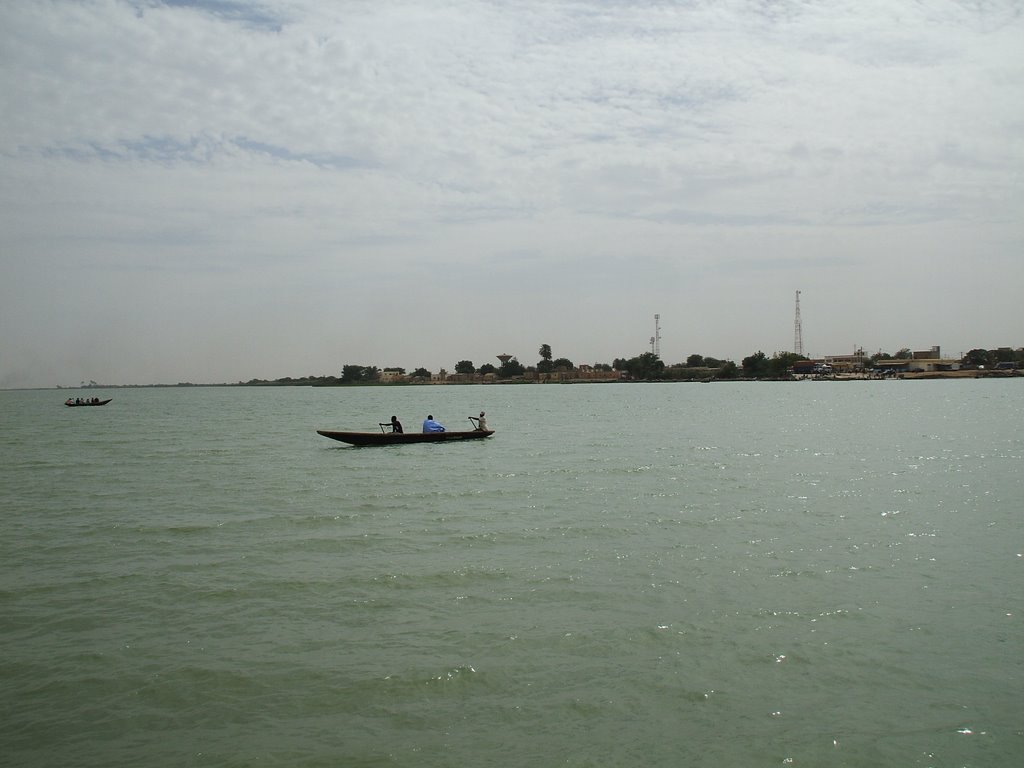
(465, 366)
(695, 361)
(421, 373)
(351, 374)
(711, 362)
(728, 370)
(400, 371)
(781, 362)
(1001, 355)
(486, 368)
(646, 366)
(545, 365)
(650, 366)
(755, 366)
(562, 364)
(602, 367)
(510, 368)
(978, 358)
(903, 354)
(677, 371)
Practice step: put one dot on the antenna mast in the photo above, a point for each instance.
(656, 338)
(798, 330)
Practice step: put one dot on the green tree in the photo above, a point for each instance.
(755, 366)
(464, 366)
(421, 373)
(781, 362)
(510, 368)
(351, 374)
(562, 364)
(486, 368)
(645, 367)
(729, 370)
(650, 366)
(1001, 355)
(695, 361)
(978, 358)
(545, 365)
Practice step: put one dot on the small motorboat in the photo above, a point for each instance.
(77, 402)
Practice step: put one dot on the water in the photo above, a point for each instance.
(748, 574)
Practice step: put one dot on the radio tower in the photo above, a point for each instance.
(798, 330)
(656, 338)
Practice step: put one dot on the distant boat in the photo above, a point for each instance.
(398, 438)
(75, 403)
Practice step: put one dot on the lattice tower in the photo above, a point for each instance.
(798, 329)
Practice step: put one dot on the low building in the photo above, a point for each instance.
(846, 363)
(925, 361)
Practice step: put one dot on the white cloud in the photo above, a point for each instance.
(417, 183)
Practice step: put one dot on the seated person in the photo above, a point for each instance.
(396, 425)
(481, 423)
(432, 426)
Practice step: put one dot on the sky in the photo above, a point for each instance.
(216, 191)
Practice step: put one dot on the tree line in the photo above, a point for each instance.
(644, 367)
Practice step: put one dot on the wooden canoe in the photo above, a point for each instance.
(400, 438)
(73, 404)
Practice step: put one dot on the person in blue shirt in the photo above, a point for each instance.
(432, 426)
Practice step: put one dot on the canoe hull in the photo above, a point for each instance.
(400, 438)
(83, 405)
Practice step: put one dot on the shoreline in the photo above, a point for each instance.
(909, 375)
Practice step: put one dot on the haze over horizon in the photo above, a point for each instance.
(214, 191)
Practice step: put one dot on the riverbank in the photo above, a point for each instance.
(332, 382)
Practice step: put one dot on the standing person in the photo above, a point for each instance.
(481, 423)
(396, 425)
(429, 425)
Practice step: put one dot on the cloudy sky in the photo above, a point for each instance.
(220, 190)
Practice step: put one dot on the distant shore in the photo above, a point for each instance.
(912, 375)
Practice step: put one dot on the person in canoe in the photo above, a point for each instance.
(429, 425)
(395, 424)
(480, 423)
